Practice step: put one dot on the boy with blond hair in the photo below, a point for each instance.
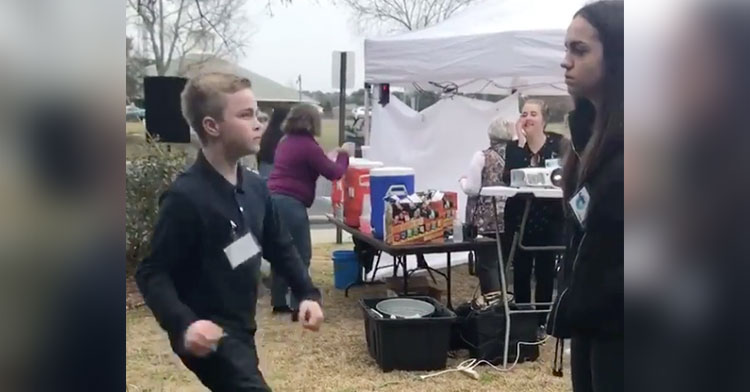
(216, 222)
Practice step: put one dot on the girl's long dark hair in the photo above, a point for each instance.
(273, 135)
(606, 128)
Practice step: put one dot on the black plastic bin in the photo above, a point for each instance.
(408, 344)
(483, 333)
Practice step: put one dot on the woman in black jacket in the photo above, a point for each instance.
(589, 308)
(544, 224)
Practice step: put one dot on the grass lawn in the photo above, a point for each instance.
(329, 138)
(335, 359)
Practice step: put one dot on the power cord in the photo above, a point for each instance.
(467, 367)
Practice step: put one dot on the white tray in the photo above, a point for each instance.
(506, 191)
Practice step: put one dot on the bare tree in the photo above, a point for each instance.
(402, 14)
(176, 28)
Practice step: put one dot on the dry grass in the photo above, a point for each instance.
(335, 359)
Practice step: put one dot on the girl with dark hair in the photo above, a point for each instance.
(270, 140)
(589, 307)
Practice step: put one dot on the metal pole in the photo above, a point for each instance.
(299, 83)
(342, 98)
(366, 124)
(504, 286)
(342, 116)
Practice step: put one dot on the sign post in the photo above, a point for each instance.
(342, 97)
(343, 77)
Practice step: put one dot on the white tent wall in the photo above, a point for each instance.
(513, 43)
(499, 57)
(437, 143)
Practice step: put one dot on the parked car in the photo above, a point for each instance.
(134, 113)
(354, 133)
(360, 112)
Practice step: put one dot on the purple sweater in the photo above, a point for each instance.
(298, 163)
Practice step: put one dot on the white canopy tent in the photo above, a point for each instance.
(491, 47)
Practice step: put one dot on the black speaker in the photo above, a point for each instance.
(163, 113)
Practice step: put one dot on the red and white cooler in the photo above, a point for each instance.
(357, 189)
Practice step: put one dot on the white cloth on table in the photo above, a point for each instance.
(471, 184)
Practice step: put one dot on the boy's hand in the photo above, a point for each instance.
(202, 337)
(311, 315)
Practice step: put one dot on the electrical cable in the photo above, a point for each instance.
(467, 367)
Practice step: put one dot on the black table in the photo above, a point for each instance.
(400, 252)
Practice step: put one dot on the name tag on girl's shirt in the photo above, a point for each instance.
(242, 250)
(579, 203)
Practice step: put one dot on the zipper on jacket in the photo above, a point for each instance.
(575, 151)
(559, 301)
(557, 308)
(578, 254)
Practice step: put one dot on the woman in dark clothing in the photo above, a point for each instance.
(545, 221)
(270, 140)
(589, 308)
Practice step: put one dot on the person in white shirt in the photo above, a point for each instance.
(486, 169)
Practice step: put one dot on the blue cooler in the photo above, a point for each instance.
(385, 181)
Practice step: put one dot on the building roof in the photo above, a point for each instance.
(265, 89)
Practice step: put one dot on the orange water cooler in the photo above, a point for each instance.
(357, 189)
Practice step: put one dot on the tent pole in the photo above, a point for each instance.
(366, 124)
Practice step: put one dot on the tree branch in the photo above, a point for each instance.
(404, 14)
(175, 28)
(203, 16)
(176, 33)
(161, 31)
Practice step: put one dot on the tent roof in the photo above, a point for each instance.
(489, 47)
(265, 89)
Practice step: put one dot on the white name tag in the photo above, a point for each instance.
(242, 250)
(579, 203)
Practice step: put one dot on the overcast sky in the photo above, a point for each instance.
(300, 39)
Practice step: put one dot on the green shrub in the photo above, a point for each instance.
(148, 175)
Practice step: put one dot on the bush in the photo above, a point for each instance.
(148, 175)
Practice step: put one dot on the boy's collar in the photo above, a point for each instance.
(210, 171)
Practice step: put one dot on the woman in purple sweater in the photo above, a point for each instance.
(298, 162)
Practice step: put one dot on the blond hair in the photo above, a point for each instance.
(543, 109)
(203, 96)
(501, 129)
(303, 118)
